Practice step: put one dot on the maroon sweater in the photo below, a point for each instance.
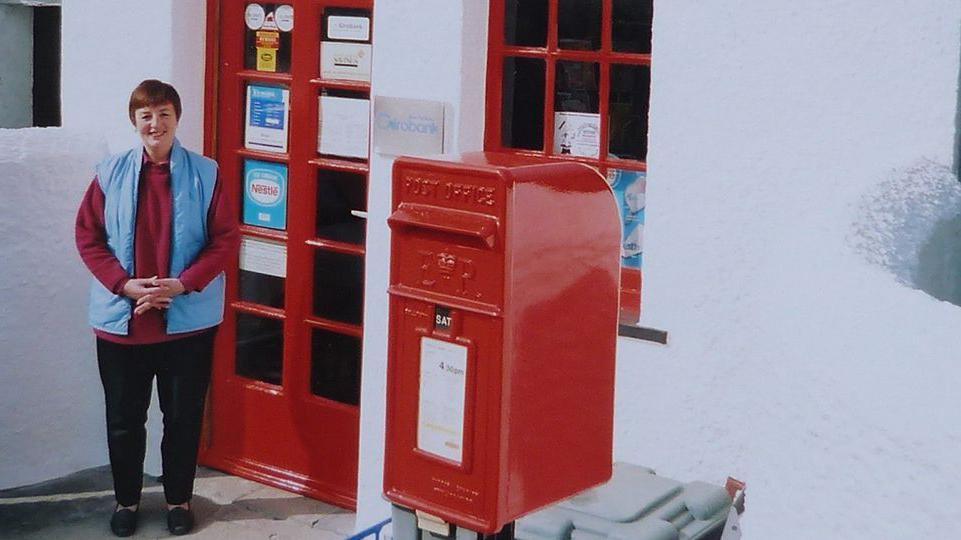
(152, 247)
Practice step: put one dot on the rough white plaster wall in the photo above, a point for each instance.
(911, 225)
(50, 396)
(16, 66)
(109, 46)
(440, 57)
(820, 380)
(187, 68)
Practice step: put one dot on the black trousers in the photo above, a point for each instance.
(182, 368)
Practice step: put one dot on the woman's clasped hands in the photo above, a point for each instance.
(152, 292)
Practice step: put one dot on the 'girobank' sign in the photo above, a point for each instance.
(408, 126)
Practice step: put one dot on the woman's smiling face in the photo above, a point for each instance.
(156, 125)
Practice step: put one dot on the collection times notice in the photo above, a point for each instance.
(443, 386)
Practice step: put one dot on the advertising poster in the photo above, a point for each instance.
(629, 189)
(347, 27)
(577, 134)
(411, 127)
(266, 124)
(265, 194)
(348, 61)
(263, 256)
(268, 36)
(343, 127)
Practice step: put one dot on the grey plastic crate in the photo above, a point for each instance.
(635, 504)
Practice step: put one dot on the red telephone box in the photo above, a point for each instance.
(284, 404)
(503, 326)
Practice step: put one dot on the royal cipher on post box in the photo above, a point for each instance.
(503, 324)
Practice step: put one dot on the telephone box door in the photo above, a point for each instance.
(285, 394)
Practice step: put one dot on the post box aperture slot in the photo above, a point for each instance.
(480, 228)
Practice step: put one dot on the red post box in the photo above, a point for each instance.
(503, 325)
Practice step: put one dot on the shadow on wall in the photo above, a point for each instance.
(910, 224)
(939, 262)
(957, 123)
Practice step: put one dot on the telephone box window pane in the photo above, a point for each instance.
(579, 24)
(575, 87)
(630, 92)
(341, 196)
(267, 36)
(338, 286)
(525, 23)
(522, 118)
(262, 289)
(260, 348)
(335, 367)
(631, 28)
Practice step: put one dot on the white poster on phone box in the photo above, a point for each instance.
(349, 28)
(263, 257)
(349, 61)
(441, 407)
(344, 126)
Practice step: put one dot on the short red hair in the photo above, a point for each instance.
(151, 93)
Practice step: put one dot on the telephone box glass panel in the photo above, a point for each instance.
(335, 367)
(262, 289)
(260, 348)
(630, 89)
(631, 26)
(525, 23)
(341, 203)
(579, 24)
(575, 87)
(338, 286)
(522, 124)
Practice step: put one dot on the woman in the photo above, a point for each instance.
(156, 230)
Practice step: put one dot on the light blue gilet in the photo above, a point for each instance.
(192, 181)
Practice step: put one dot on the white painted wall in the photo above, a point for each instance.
(440, 57)
(52, 400)
(793, 364)
(820, 380)
(109, 46)
(16, 66)
(50, 397)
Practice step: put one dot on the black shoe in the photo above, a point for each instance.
(123, 522)
(179, 520)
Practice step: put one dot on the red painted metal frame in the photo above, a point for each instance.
(279, 435)
(551, 54)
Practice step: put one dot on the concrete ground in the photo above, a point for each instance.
(78, 506)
